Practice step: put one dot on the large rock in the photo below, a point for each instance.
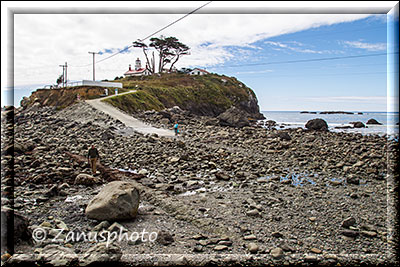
(234, 117)
(101, 252)
(57, 255)
(373, 121)
(317, 124)
(270, 123)
(21, 223)
(118, 200)
(86, 179)
(348, 222)
(358, 124)
(283, 136)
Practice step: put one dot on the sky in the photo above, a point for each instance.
(314, 62)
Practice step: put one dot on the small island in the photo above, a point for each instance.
(336, 112)
(308, 112)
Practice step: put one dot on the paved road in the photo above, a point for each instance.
(128, 120)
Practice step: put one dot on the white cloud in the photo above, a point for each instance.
(367, 46)
(295, 46)
(44, 41)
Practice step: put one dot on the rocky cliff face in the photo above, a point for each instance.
(208, 95)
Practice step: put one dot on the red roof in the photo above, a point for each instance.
(201, 70)
(135, 71)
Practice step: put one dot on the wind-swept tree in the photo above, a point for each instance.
(144, 47)
(169, 51)
(60, 80)
(161, 45)
(178, 49)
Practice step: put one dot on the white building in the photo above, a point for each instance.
(138, 71)
(197, 71)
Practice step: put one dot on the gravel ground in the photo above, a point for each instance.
(213, 194)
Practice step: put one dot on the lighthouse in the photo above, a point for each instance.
(138, 64)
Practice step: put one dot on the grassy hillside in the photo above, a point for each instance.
(62, 98)
(208, 95)
(203, 95)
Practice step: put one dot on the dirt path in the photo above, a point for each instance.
(128, 120)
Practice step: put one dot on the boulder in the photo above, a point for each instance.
(101, 252)
(270, 123)
(86, 179)
(212, 122)
(21, 223)
(252, 247)
(283, 136)
(57, 255)
(118, 200)
(276, 253)
(373, 121)
(222, 176)
(234, 117)
(317, 125)
(348, 222)
(164, 238)
(358, 124)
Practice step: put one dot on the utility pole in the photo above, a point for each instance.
(66, 79)
(63, 66)
(94, 53)
(64, 82)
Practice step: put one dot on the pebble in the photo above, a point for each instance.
(369, 233)
(249, 237)
(220, 247)
(350, 233)
(276, 253)
(253, 247)
(348, 222)
(316, 251)
(311, 258)
(45, 224)
(253, 212)
(277, 234)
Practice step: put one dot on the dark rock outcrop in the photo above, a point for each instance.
(335, 112)
(358, 124)
(283, 136)
(21, 223)
(317, 124)
(234, 117)
(373, 122)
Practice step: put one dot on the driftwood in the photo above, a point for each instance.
(107, 173)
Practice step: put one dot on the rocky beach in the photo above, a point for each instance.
(211, 195)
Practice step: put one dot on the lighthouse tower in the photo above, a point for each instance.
(138, 64)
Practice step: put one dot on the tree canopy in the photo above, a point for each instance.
(60, 79)
(169, 51)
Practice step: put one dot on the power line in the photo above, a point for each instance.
(172, 23)
(323, 74)
(326, 33)
(306, 60)
(163, 28)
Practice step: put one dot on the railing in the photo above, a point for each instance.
(84, 82)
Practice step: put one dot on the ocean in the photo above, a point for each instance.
(295, 119)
